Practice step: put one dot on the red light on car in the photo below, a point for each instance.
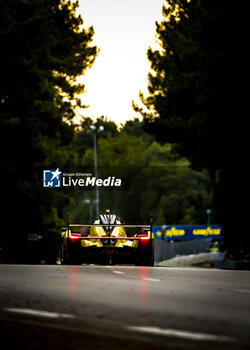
(75, 236)
(144, 237)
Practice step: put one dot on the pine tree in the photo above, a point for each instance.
(197, 93)
(44, 48)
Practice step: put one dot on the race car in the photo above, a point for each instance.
(107, 241)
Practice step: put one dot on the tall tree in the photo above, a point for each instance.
(152, 182)
(44, 49)
(196, 92)
(84, 134)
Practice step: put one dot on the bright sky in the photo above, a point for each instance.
(124, 29)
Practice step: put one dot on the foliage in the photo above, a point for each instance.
(134, 127)
(196, 89)
(84, 136)
(44, 49)
(153, 182)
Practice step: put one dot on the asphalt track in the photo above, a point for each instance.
(123, 307)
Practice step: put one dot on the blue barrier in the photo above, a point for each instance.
(188, 232)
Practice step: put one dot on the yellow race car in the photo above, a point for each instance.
(107, 241)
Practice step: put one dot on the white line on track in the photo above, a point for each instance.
(243, 291)
(33, 312)
(144, 278)
(118, 272)
(151, 279)
(181, 334)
